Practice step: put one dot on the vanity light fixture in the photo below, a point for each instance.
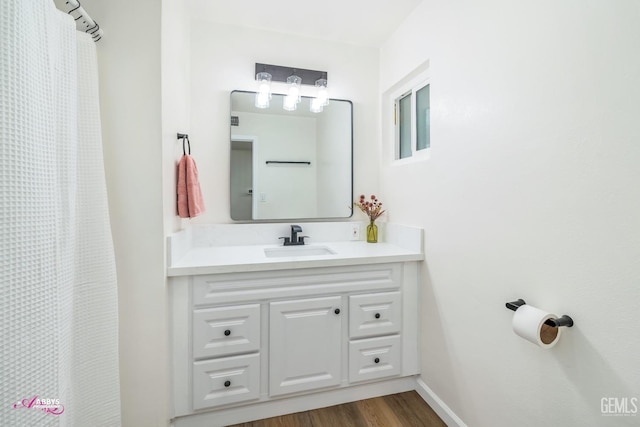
(294, 78)
(263, 95)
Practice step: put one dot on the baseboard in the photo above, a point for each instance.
(438, 406)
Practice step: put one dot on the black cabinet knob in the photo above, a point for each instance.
(227, 383)
(376, 360)
(377, 316)
(227, 333)
(336, 311)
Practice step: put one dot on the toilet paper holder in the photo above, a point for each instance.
(556, 323)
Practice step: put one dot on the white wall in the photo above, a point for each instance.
(175, 114)
(176, 100)
(531, 192)
(223, 59)
(129, 58)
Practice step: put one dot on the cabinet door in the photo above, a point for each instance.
(304, 344)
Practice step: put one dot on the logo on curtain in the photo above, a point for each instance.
(49, 406)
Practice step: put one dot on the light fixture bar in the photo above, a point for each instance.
(280, 73)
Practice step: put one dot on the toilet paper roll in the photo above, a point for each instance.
(528, 323)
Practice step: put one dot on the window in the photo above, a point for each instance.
(423, 140)
(404, 126)
(412, 121)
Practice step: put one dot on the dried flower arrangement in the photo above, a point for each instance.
(372, 208)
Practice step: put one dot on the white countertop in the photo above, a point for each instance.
(231, 248)
(232, 259)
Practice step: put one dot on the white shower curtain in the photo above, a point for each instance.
(58, 293)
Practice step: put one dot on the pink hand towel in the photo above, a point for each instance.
(190, 201)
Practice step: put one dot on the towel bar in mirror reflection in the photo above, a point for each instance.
(312, 177)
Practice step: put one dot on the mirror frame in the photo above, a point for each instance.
(285, 220)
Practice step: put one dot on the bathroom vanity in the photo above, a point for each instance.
(259, 330)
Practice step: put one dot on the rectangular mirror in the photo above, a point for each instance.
(290, 164)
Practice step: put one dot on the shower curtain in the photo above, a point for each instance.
(58, 293)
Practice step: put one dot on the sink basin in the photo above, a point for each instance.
(295, 251)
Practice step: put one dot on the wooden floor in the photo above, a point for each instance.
(396, 410)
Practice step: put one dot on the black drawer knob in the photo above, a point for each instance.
(336, 311)
(377, 316)
(227, 333)
(227, 383)
(376, 360)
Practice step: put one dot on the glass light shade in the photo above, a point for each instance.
(263, 95)
(294, 83)
(264, 78)
(264, 87)
(323, 93)
(290, 103)
(262, 100)
(316, 106)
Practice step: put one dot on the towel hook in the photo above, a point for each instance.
(183, 137)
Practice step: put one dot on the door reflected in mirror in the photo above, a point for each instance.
(290, 164)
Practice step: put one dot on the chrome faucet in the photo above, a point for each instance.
(294, 239)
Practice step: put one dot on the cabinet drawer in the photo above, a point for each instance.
(227, 380)
(374, 358)
(223, 331)
(251, 286)
(374, 314)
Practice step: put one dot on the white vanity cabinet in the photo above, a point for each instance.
(248, 345)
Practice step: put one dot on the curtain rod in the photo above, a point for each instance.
(84, 22)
